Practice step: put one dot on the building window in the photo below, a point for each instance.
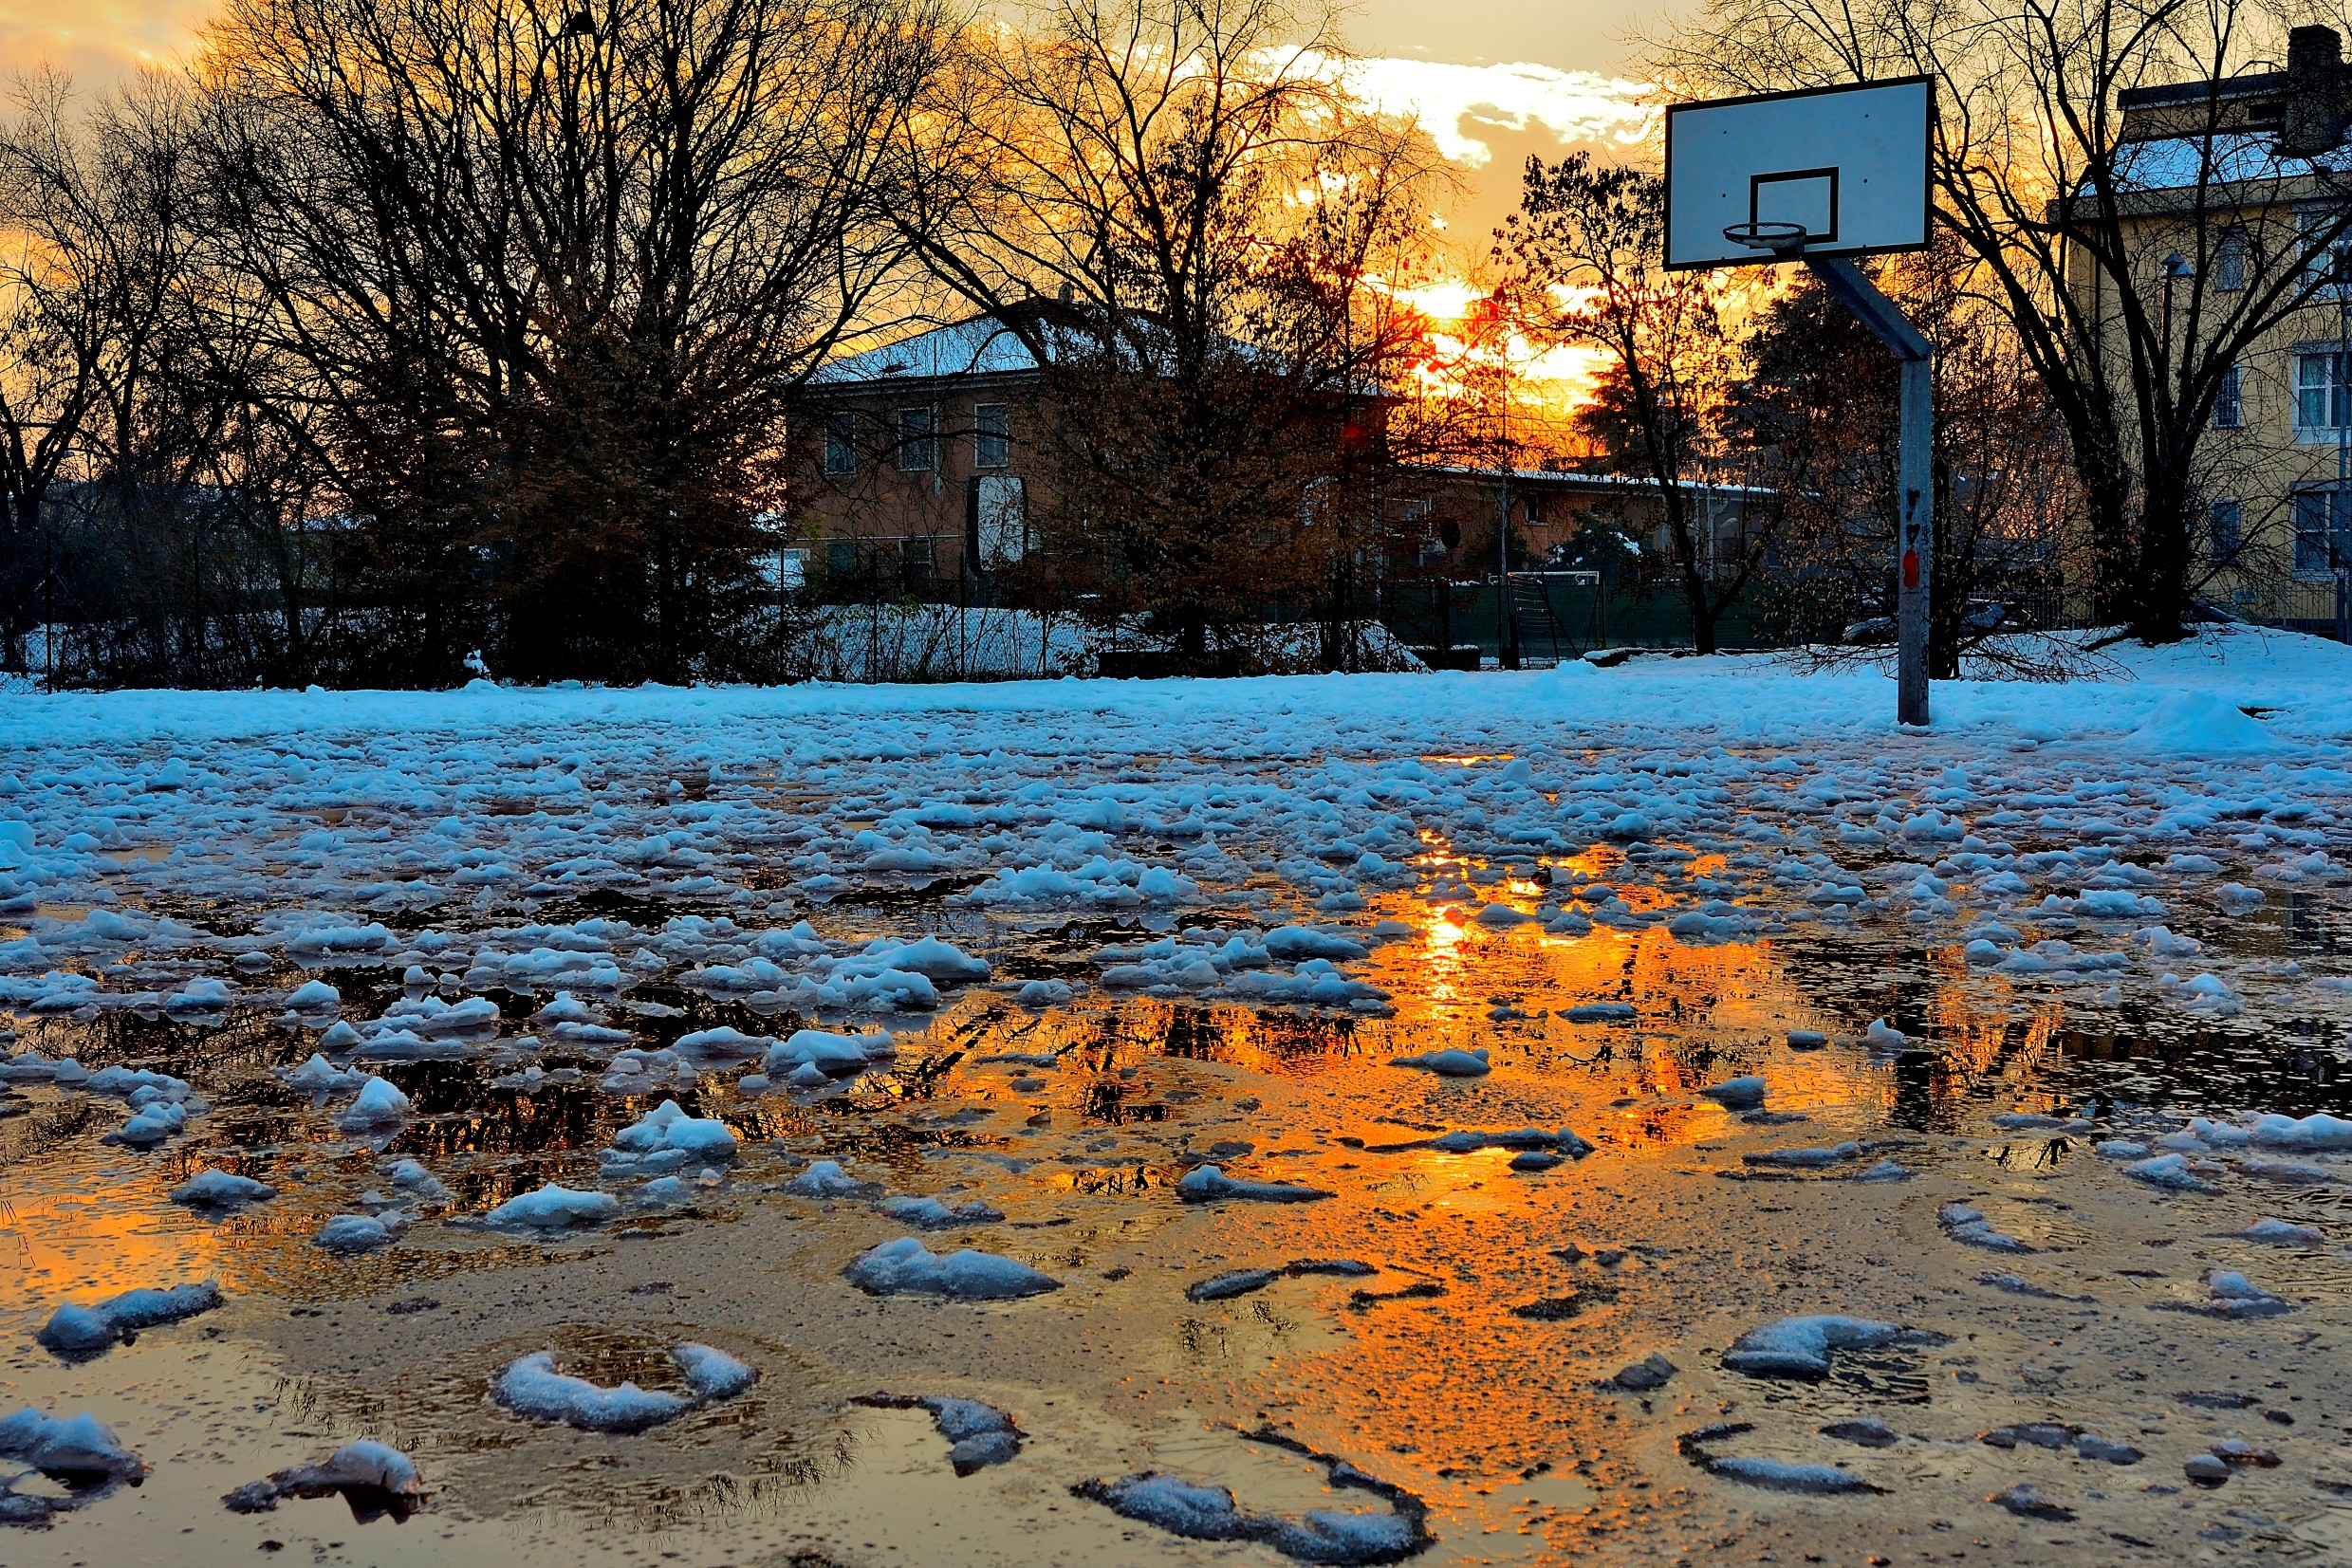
(1000, 520)
(2320, 399)
(2230, 262)
(2324, 264)
(2229, 403)
(2323, 530)
(840, 442)
(2224, 530)
(992, 436)
(919, 440)
(915, 561)
(792, 570)
(840, 557)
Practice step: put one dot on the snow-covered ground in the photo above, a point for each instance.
(1392, 1067)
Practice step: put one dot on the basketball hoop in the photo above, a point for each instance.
(1780, 239)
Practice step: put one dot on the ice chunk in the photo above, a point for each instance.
(826, 1179)
(2169, 1171)
(313, 996)
(1801, 1347)
(721, 1044)
(931, 1214)
(711, 1373)
(1779, 1475)
(531, 1387)
(1738, 1094)
(2281, 1233)
(1237, 1282)
(1805, 1159)
(906, 1267)
(353, 1233)
(1970, 1227)
(834, 1054)
(70, 1446)
(378, 1105)
(75, 1331)
(1208, 1184)
(668, 1132)
(214, 1188)
(979, 1435)
(1447, 1064)
(319, 1076)
(554, 1208)
(367, 1468)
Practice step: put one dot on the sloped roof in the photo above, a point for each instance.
(981, 346)
(2227, 157)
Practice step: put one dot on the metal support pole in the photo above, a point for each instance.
(1915, 537)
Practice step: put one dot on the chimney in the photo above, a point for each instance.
(2313, 115)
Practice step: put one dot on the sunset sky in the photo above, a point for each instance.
(1492, 81)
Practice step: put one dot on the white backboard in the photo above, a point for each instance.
(1848, 163)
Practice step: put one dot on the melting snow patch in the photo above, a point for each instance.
(1320, 1535)
(531, 1387)
(1801, 1347)
(979, 1435)
(906, 1267)
(1208, 1184)
(79, 1331)
(666, 1138)
(79, 1450)
(1448, 1063)
(2168, 1173)
(212, 1189)
(376, 1477)
(554, 1207)
(1970, 1227)
(1770, 1474)
(354, 1233)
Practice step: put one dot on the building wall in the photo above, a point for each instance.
(899, 510)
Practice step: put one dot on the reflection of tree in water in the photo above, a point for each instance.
(1272, 1041)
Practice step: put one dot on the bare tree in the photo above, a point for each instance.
(1586, 249)
(548, 276)
(2137, 272)
(1178, 208)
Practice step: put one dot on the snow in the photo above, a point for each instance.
(354, 1233)
(554, 1207)
(378, 1105)
(711, 1373)
(2169, 1173)
(1210, 1513)
(1783, 1476)
(979, 1435)
(2202, 723)
(1801, 1347)
(364, 1467)
(67, 1446)
(212, 1189)
(668, 1137)
(1738, 1094)
(1208, 1183)
(1448, 1063)
(906, 1267)
(533, 1387)
(77, 1331)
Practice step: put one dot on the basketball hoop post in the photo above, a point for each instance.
(1915, 522)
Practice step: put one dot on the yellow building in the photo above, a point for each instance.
(2230, 195)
